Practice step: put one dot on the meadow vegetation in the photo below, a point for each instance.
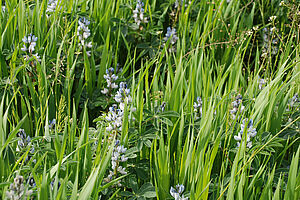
(149, 99)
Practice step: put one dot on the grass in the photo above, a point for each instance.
(224, 49)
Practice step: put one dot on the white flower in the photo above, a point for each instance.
(24, 48)
(17, 189)
(110, 78)
(122, 170)
(273, 29)
(109, 128)
(238, 137)
(281, 3)
(255, 28)
(123, 158)
(272, 18)
(104, 91)
(118, 97)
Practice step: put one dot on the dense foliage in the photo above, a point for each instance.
(149, 99)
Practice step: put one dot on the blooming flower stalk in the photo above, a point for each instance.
(250, 130)
(178, 4)
(123, 95)
(111, 79)
(294, 102)
(24, 142)
(198, 107)
(270, 42)
(261, 83)
(115, 115)
(138, 13)
(176, 192)
(51, 7)
(172, 36)
(17, 189)
(236, 105)
(83, 33)
(118, 157)
(115, 119)
(29, 44)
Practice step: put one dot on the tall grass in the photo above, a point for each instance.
(219, 54)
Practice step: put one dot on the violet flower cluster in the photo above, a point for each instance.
(138, 13)
(52, 124)
(115, 115)
(236, 105)
(111, 79)
(115, 119)
(17, 189)
(270, 42)
(51, 7)
(294, 102)
(118, 157)
(24, 142)
(52, 184)
(172, 36)
(178, 4)
(261, 83)
(29, 47)
(198, 107)
(250, 130)
(83, 33)
(177, 192)
(123, 95)
(163, 106)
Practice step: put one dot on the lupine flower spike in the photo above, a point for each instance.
(24, 142)
(198, 107)
(29, 47)
(177, 192)
(270, 42)
(251, 132)
(51, 6)
(118, 156)
(138, 13)
(17, 189)
(123, 95)
(294, 102)
(261, 83)
(172, 36)
(185, 5)
(236, 104)
(111, 79)
(83, 33)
